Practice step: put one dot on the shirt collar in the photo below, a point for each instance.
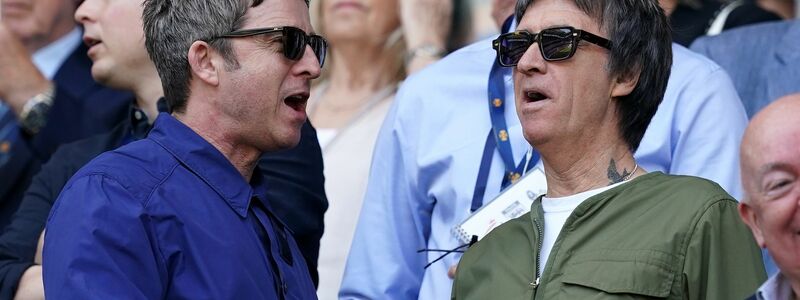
(205, 161)
(140, 123)
(50, 58)
(775, 288)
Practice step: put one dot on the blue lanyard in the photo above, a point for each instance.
(498, 137)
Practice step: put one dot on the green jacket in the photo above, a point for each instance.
(657, 236)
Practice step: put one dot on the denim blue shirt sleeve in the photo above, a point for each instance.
(168, 217)
(429, 149)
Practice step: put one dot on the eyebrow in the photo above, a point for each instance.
(770, 167)
(553, 26)
(776, 166)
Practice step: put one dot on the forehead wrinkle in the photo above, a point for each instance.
(277, 15)
(555, 17)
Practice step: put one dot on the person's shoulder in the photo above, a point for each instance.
(686, 192)
(138, 167)
(82, 151)
(688, 63)
(741, 41)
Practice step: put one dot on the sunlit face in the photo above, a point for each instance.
(266, 97)
(38, 21)
(771, 178)
(113, 31)
(359, 20)
(563, 102)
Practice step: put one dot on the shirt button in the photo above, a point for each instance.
(284, 288)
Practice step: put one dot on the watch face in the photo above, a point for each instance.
(36, 118)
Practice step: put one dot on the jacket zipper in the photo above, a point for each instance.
(537, 281)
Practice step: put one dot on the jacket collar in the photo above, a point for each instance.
(205, 161)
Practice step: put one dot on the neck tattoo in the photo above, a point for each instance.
(615, 177)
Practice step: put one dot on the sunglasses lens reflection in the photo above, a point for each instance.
(295, 41)
(320, 48)
(557, 44)
(514, 47)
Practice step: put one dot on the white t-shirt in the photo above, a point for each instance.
(556, 212)
(325, 136)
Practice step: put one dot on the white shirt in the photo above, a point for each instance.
(325, 136)
(50, 58)
(556, 212)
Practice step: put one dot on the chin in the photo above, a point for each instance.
(535, 135)
(282, 143)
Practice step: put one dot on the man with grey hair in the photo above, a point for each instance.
(182, 214)
(771, 180)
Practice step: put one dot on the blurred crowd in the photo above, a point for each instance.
(399, 149)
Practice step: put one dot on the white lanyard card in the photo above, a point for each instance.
(515, 201)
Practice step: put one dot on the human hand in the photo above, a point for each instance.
(20, 80)
(37, 259)
(31, 286)
(425, 23)
(501, 10)
(451, 272)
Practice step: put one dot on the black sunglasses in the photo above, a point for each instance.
(555, 44)
(294, 41)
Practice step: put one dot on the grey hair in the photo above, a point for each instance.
(170, 28)
(641, 44)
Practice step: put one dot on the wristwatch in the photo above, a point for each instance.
(425, 50)
(34, 113)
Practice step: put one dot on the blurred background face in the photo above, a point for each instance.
(113, 31)
(369, 21)
(38, 22)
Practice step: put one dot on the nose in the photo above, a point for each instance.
(532, 61)
(85, 11)
(308, 66)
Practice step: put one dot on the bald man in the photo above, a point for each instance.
(770, 161)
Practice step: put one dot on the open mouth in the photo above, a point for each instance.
(90, 41)
(297, 101)
(535, 96)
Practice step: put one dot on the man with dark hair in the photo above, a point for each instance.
(443, 159)
(588, 77)
(184, 212)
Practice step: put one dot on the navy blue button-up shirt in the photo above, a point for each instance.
(169, 217)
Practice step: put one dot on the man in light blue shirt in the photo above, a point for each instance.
(428, 154)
